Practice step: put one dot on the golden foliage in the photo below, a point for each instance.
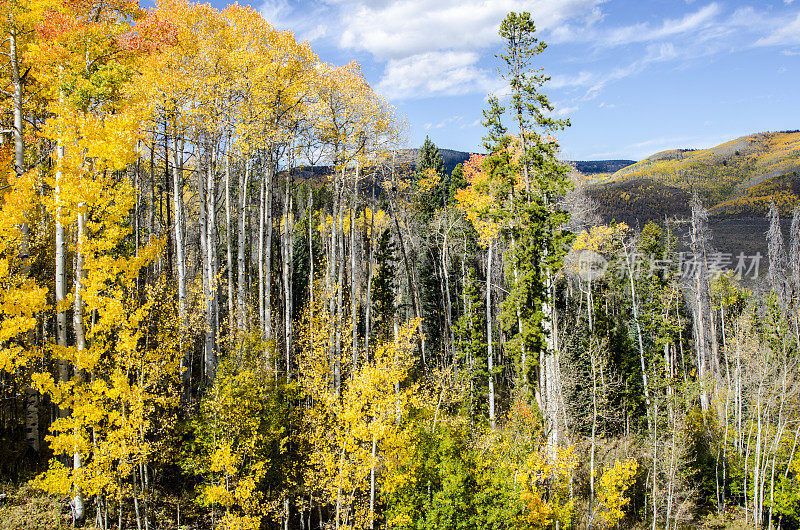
(611, 489)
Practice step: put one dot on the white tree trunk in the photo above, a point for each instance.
(31, 395)
(353, 296)
(310, 243)
(268, 249)
(489, 355)
(229, 241)
(241, 302)
(205, 266)
(370, 272)
(286, 254)
(80, 344)
(211, 266)
(180, 266)
(262, 206)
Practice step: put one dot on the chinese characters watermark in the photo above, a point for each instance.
(589, 265)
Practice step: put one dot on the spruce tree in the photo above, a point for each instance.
(430, 158)
(383, 284)
(531, 219)
(431, 165)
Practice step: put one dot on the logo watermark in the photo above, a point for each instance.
(589, 265)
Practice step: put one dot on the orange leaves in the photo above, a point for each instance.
(477, 200)
(151, 34)
(69, 25)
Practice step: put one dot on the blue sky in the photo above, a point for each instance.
(634, 77)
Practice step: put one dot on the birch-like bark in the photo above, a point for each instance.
(412, 286)
(353, 297)
(241, 239)
(205, 266)
(19, 138)
(698, 245)
(448, 305)
(268, 247)
(180, 266)
(60, 265)
(286, 255)
(332, 266)
(79, 330)
(489, 355)
(152, 209)
(229, 241)
(635, 305)
(311, 243)
(31, 395)
(212, 300)
(794, 260)
(262, 206)
(339, 292)
(370, 272)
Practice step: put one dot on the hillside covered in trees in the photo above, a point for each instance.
(738, 178)
(230, 301)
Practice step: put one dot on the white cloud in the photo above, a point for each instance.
(419, 38)
(705, 19)
(308, 26)
(315, 33)
(569, 81)
(392, 30)
(788, 34)
(668, 28)
(566, 110)
(431, 49)
(451, 121)
(434, 73)
(275, 11)
(594, 83)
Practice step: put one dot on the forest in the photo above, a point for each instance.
(226, 304)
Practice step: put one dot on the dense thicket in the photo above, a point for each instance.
(224, 304)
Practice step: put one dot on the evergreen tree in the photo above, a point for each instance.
(457, 182)
(531, 219)
(470, 331)
(383, 284)
(430, 158)
(433, 184)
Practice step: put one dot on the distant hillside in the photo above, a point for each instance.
(592, 167)
(453, 158)
(737, 178)
(755, 201)
(722, 172)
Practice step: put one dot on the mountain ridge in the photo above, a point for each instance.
(740, 177)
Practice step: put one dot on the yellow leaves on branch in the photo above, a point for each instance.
(21, 299)
(341, 428)
(612, 486)
(546, 478)
(600, 238)
(428, 181)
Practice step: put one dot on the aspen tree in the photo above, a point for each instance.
(18, 26)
